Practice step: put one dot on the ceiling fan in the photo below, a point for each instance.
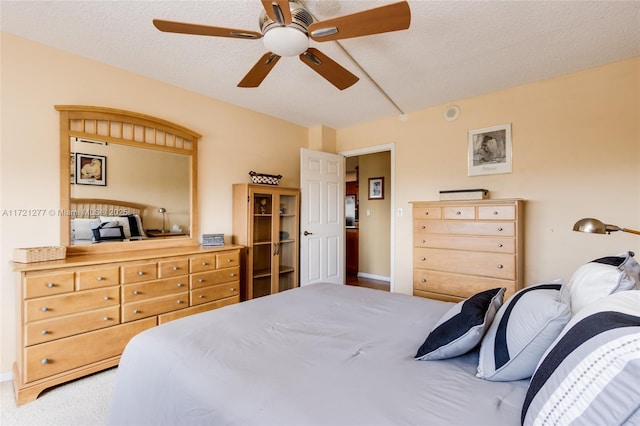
(286, 27)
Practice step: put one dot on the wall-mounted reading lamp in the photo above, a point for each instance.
(596, 227)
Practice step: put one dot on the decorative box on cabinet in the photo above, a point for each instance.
(77, 315)
(266, 221)
(463, 247)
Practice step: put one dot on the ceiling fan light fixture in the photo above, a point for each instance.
(286, 41)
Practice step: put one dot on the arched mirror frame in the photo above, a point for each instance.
(132, 129)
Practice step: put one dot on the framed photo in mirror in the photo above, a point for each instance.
(91, 169)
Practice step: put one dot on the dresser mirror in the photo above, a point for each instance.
(132, 172)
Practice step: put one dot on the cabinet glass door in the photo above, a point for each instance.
(262, 243)
(287, 249)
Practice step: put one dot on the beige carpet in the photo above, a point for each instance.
(83, 402)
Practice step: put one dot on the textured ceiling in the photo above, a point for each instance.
(452, 50)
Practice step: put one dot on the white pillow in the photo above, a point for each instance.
(589, 375)
(598, 279)
(122, 221)
(462, 327)
(82, 229)
(523, 329)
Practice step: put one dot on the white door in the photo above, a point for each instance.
(321, 217)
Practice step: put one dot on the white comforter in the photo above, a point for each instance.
(322, 354)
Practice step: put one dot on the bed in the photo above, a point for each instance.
(91, 213)
(327, 354)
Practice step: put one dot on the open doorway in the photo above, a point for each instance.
(369, 219)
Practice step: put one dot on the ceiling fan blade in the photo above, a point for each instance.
(333, 72)
(382, 19)
(260, 70)
(206, 30)
(278, 11)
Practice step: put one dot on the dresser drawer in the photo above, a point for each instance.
(140, 291)
(150, 307)
(204, 279)
(492, 244)
(69, 325)
(507, 229)
(173, 268)
(497, 212)
(459, 212)
(215, 292)
(495, 265)
(202, 262)
(427, 213)
(95, 278)
(61, 355)
(164, 318)
(70, 303)
(47, 284)
(228, 259)
(458, 285)
(133, 273)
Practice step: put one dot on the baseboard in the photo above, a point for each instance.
(374, 277)
(6, 376)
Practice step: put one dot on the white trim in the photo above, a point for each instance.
(374, 277)
(6, 376)
(391, 147)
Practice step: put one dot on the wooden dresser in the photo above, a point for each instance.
(77, 315)
(461, 248)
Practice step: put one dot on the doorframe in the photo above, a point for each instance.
(391, 147)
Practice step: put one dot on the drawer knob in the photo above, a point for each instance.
(45, 332)
(233, 289)
(500, 266)
(175, 268)
(424, 241)
(106, 318)
(106, 298)
(140, 273)
(426, 213)
(229, 260)
(424, 280)
(204, 263)
(179, 302)
(500, 229)
(423, 259)
(180, 284)
(44, 309)
(201, 280)
(45, 361)
(50, 285)
(99, 278)
(135, 311)
(136, 292)
(423, 227)
(232, 274)
(201, 297)
(499, 245)
(495, 212)
(458, 212)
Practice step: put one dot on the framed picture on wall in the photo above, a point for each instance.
(376, 188)
(490, 150)
(91, 169)
(72, 167)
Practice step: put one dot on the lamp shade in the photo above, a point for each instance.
(595, 226)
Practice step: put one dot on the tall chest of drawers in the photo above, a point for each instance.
(461, 248)
(77, 315)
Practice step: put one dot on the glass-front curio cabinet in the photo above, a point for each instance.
(266, 222)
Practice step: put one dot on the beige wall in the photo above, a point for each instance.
(374, 217)
(35, 77)
(576, 153)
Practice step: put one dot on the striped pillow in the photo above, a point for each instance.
(522, 331)
(590, 373)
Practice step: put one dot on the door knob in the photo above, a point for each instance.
(307, 233)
